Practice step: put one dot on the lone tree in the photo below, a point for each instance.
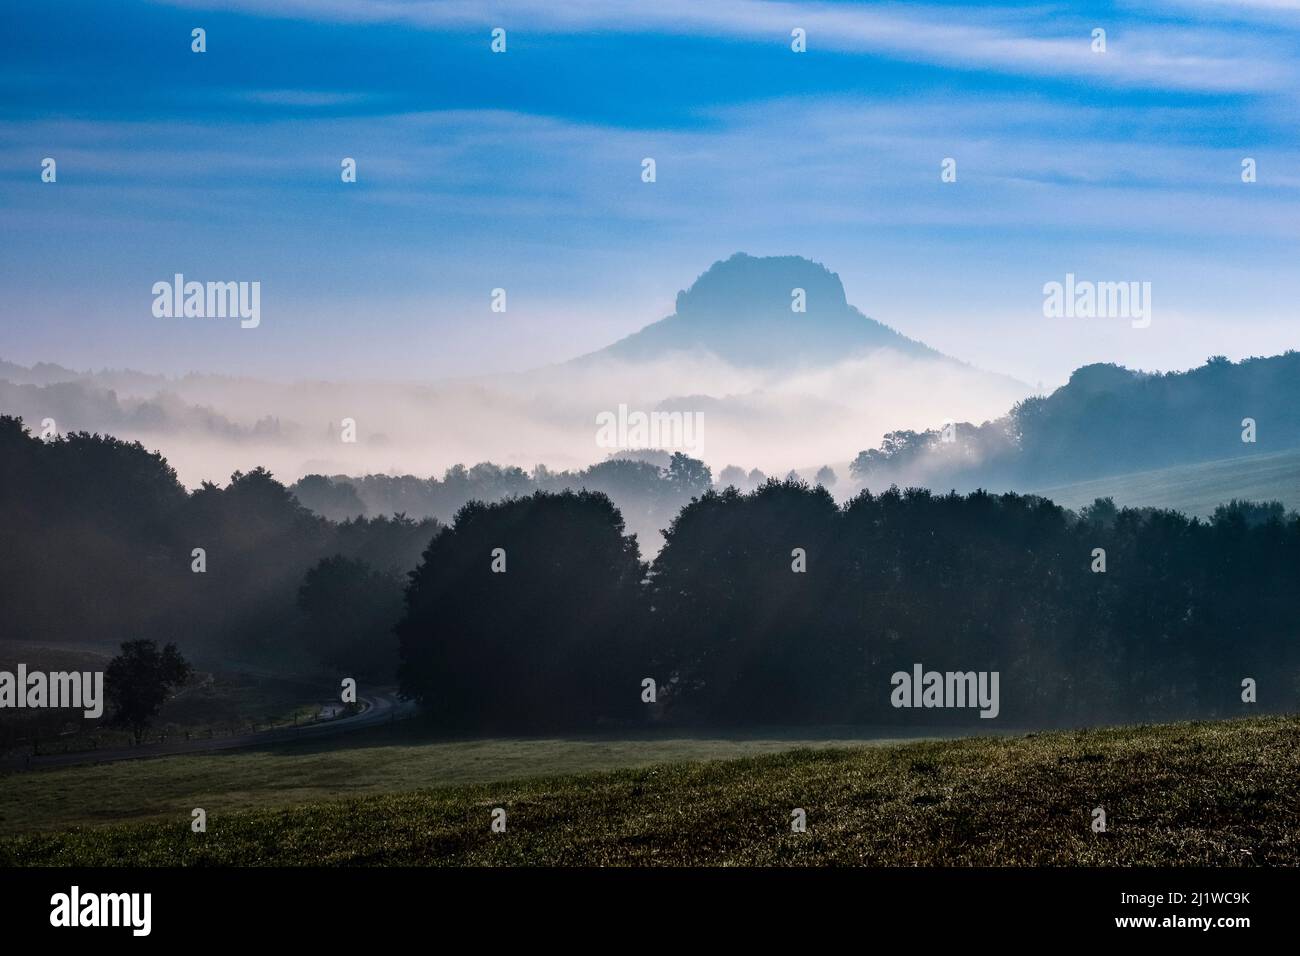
(139, 681)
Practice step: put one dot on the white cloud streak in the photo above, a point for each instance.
(1157, 55)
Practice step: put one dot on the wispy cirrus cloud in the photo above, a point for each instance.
(1024, 161)
(478, 171)
(307, 99)
(1168, 54)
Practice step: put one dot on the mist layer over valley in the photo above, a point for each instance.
(762, 369)
(769, 387)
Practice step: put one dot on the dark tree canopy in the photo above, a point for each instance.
(337, 501)
(732, 619)
(101, 538)
(350, 610)
(1184, 611)
(772, 606)
(551, 640)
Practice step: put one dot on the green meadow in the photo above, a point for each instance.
(1207, 793)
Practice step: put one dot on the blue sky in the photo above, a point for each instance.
(522, 170)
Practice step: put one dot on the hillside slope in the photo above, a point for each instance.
(1107, 421)
(1224, 793)
(1195, 490)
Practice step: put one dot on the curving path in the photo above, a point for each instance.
(378, 708)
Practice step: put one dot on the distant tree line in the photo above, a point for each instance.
(649, 486)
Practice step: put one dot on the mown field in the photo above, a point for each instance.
(1195, 490)
(1221, 793)
(377, 761)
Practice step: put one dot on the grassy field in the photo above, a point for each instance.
(1222, 793)
(378, 761)
(1193, 489)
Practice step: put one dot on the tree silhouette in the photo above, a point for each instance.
(350, 611)
(138, 682)
(549, 638)
(337, 501)
(774, 605)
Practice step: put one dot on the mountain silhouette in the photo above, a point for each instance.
(740, 310)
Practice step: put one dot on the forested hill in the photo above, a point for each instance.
(1107, 420)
